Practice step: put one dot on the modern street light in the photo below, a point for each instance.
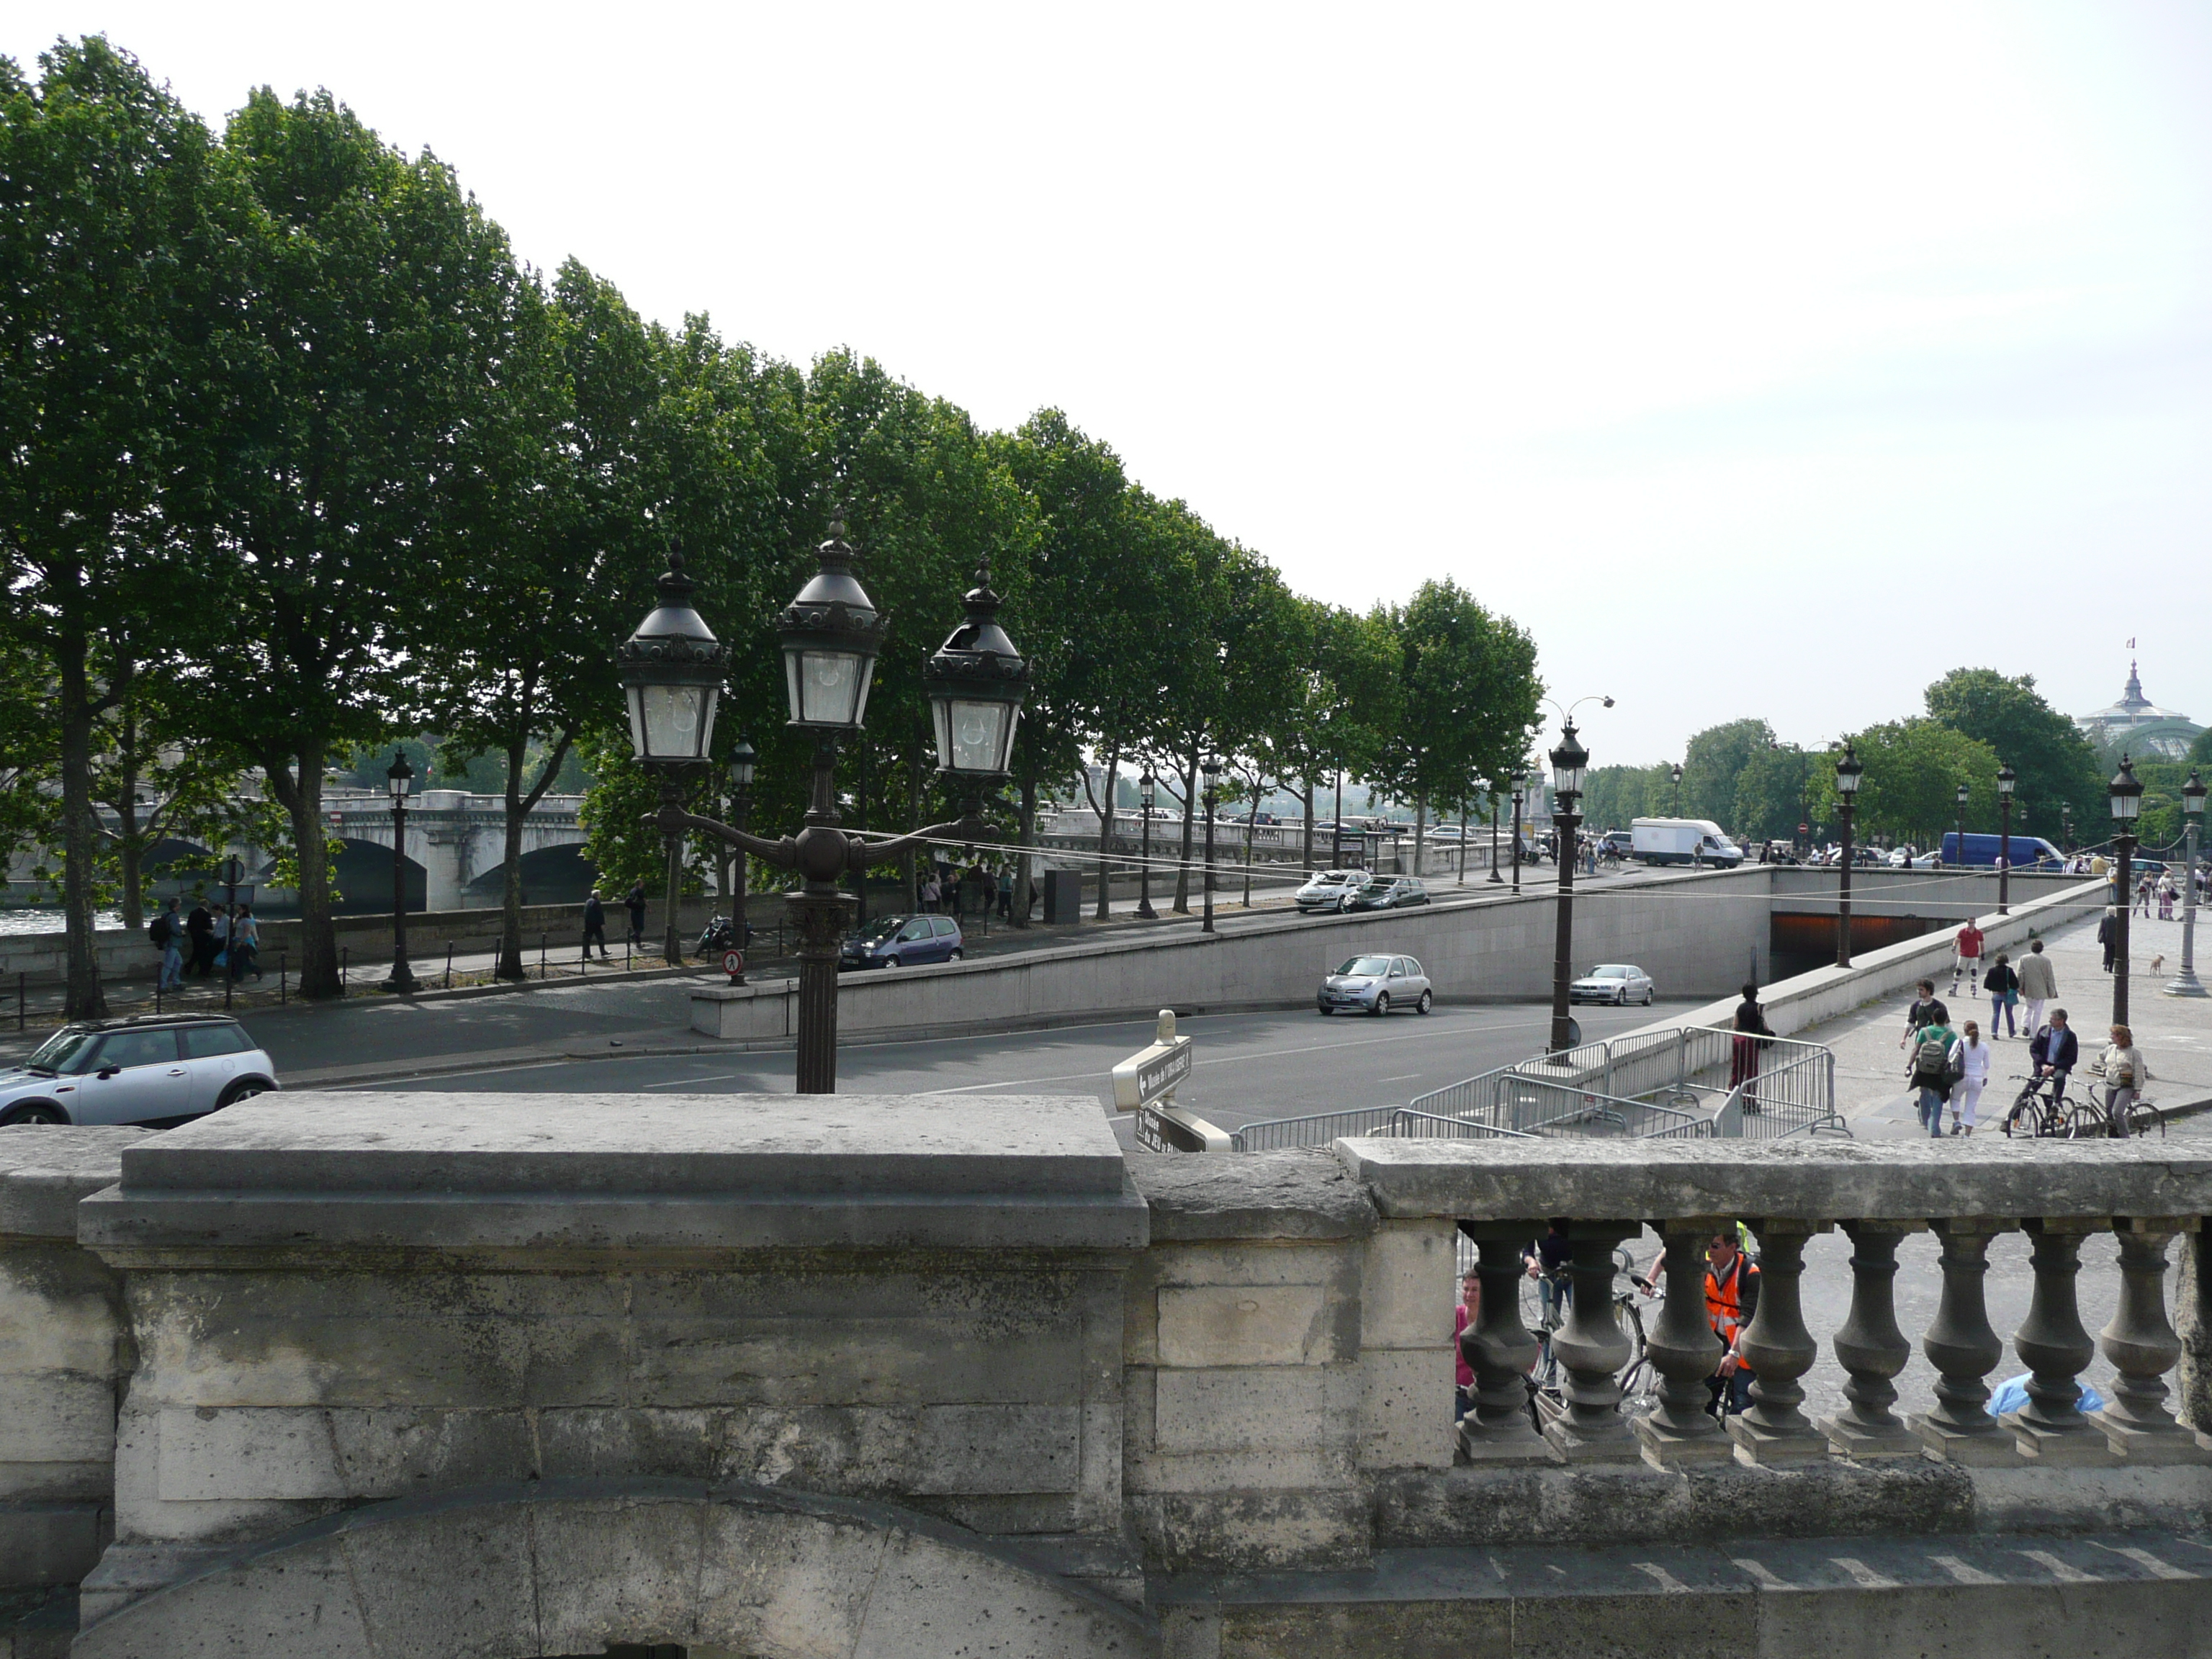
(2127, 808)
(1520, 794)
(1568, 763)
(1212, 767)
(1959, 795)
(398, 779)
(743, 760)
(1850, 772)
(1146, 794)
(2007, 781)
(2184, 983)
(831, 635)
(1675, 772)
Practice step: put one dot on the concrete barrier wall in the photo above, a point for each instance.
(1945, 893)
(1697, 935)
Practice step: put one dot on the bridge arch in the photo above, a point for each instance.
(363, 874)
(525, 1570)
(558, 873)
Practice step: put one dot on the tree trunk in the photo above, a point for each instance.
(129, 851)
(1025, 866)
(1420, 825)
(1251, 821)
(1307, 797)
(1105, 811)
(509, 965)
(84, 998)
(301, 794)
(1190, 811)
(909, 868)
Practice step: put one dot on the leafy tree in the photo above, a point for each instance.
(2056, 765)
(113, 235)
(1773, 793)
(382, 333)
(1713, 762)
(1348, 701)
(1615, 797)
(1913, 769)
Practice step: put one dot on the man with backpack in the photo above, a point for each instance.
(1931, 1073)
(167, 933)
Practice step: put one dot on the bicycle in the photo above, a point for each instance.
(2142, 1116)
(2040, 1109)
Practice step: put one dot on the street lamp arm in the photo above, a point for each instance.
(782, 853)
(865, 853)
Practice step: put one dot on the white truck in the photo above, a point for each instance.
(1682, 841)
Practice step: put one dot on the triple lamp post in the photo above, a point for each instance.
(1851, 772)
(1568, 763)
(673, 669)
(2127, 808)
(2184, 984)
(1145, 796)
(399, 778)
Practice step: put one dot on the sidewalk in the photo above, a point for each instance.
(2174, 1033)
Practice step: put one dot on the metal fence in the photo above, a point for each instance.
(1274, 1134)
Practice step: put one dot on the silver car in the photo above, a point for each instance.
(1618, 982)
(1324, 890)
(1376, 985)
(152, 1069)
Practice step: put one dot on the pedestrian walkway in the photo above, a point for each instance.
(2174, 1033)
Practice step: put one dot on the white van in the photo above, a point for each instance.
(1683, 840)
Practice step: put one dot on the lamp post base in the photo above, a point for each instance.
(2186, 984)
(405, 983)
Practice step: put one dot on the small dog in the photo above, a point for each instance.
(2158, 964)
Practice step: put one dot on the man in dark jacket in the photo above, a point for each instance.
(635, 899)
(2054, 1050)
(595, 924)
(200, 925)
(1927, 1009)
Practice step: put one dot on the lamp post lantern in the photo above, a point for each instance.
(1212, 767)
(1520, 794)
(1959, 796)
(2126, 794)
(1146, 794)
(830, 635)
(2007, 781)
(743, 760)
(1675, 773)
(398, 779)
(1568, 763)
(2184, 983)
(1850, 772)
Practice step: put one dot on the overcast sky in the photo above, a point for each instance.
(1759, 360)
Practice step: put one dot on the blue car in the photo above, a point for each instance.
(902, 941)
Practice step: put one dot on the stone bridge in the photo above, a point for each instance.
(455, 843)
(354, 1375)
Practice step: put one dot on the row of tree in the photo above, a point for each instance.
(1740, 776)
(302, 461)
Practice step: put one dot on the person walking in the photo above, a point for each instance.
(987, 882)
(595, 924)
(2143, 894)
(2166, 896)
(166, 930)
(2125, 1072)
(633, 900)
(1751, 1035)
(199, 929)
(246, 944)
(1966, 957)
(930, 893)
(1927, 1009)
(2038, 983)
(2004, 986)
(2108, 933)
(1929, 1073)
(1469, 1309)
(1970, 1059)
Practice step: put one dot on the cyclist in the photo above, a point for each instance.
(1731, 1299)
(2125, 1072)
(2054, 1051)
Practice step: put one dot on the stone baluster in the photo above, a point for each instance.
(1684, 1351)
(1964, 1349)
(1779, 1349)
(1591, 1348)
(1500, 1350)
(2142, 1346)
(1871, 1348)
(2051, 1428)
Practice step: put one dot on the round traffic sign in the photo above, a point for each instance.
(733, 962)
(1804, 828)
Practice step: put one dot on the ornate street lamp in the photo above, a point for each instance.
(1145, 796)
(2066, 826)
(1212, 767)
(2007, 781)
(1959, 795)
(1568, 763)
(1520, 794)
(1675, 772)
(744, 762)
(2185, 984)
(673, 669)
(2127, 808)
(1850, 772)
(398, 779)
(830, 635)
(1496, 876)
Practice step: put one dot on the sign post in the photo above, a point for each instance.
(1146, 1083)
(733, 964)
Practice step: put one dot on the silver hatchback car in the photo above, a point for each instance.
(152, 1069)
(1376, 985)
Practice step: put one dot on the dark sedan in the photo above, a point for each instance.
(1384, 893)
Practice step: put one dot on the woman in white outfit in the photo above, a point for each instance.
(1970, 1059)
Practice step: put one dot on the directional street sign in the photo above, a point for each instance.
(1152, 1073)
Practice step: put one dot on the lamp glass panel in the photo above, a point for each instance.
(637, 744)
(678, 721)
(2126, 808)
(828, 688)
(1567, 780)
(972, 733)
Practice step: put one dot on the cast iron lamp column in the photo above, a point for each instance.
(2066, 827)
(398, 778)
(2007, 781)
(1520, 794)
(2127, 807)
(1212, 767)
(2184, 983)
(1851, 771)
(1959, 796)
(744, 759)
(1145, 796)
(1569, 762)
(1675, 773)
(1495, 875)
